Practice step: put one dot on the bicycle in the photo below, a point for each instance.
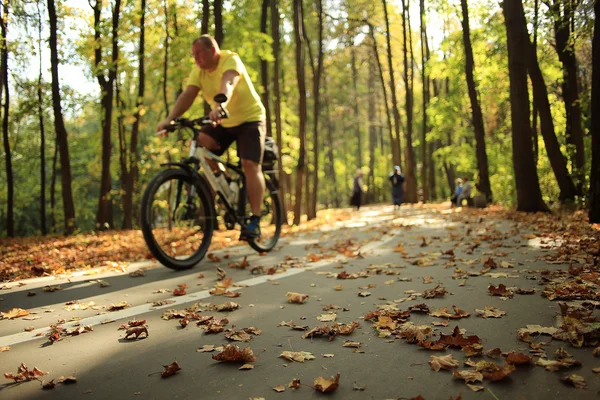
(178, 213)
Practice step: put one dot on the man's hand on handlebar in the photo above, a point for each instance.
(161, 128)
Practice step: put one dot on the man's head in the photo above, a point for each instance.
(206, 52)
(397, 169)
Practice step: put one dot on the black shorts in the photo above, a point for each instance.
(250, 137)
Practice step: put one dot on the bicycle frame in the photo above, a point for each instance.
(199, 156)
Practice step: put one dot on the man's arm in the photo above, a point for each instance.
(183, 103)
(229, 79)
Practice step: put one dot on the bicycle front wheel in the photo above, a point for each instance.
(271, 219)
(177, 218)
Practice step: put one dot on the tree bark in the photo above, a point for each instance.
(264, 68)
(218, 12)
(542, 104)
(355, 100)
(478, 128)
(131, 171)
(372, 131)
(409, 155)
(104, 217)
(277, 103)
(396, 147)
(594, 210)
(302, 113)
(10, 184)
(529, 195)
(330, 147)
(312, 208)
(563, 12)
(43, 227)
(425, 150)
(166, 56)
(59, 126)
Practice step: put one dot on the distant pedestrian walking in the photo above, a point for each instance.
(457, 192)
(397, 180)
(357, 190)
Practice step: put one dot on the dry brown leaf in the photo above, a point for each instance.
(118, 306)
(327, 385)
(137, 331)
(233, 353)
(490, 312)
(294, 384)
(67, 380)
(246, 367)
(575, 380)
(355, 345)
(443, 362)
(207, 348)
(468, 375)
(296, 297)
(170, 369)
(298, 356)
(438, 291)
(329, 317)
(14, 313)
(4, 348)
(279, 388)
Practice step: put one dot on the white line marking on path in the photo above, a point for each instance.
(23, 337)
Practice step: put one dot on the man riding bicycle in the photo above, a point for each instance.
(215, 72)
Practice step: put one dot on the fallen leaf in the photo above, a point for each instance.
(294, 384)
(443, 362)
(468, 375)
(327, 385)
(246, 367)
(330, 317)
(4, 348)
(352, 344)
(14, 313)
(119, 306)
(355, 386)
(233, 353)
(575, 380)
(170, 369)
(490, 312)
(296, 297)
(206, 348)
(137, 331)
(298, 356)
(279, 388)
(364, 294)
(67, 380)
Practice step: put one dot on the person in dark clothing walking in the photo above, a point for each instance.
(357, 190)
(397, 179)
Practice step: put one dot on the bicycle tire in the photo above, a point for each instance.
(271, 220)
(187, 225)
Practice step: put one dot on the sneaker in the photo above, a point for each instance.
(252, 230)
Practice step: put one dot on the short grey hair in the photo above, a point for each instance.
(206, 41)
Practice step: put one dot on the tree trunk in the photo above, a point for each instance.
(301, 167)
(205, 17)
(480, 151)
(10, 185)
(53, 190)
(59, 126)
(131, 171)
(529, 195)
(357, 124)
(594, 211)
(104, 217)
(425, 150)
(166, 57)
(218, 11)
(409, 155)
(542, 104)
(264, 68)
(277, 104)
(372, 131)
(534, 111)
(43, 227)
(563, 12)
(396, 147)
(330, 147)
(316, 112)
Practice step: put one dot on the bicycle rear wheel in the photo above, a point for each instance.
(271, 219)
(177, 218)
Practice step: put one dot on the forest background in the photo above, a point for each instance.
(501, 93)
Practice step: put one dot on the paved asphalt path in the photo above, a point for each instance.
(109, 367)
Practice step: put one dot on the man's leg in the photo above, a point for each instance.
(209, 143)
(255, 182)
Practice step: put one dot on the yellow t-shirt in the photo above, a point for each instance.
(244, 105)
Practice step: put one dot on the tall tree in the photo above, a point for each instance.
(104, 217)
(42, 128)
(563, 12)
(542, 105)
(130, 169)
(264, 67)
(425, 149)
(478, 128)
(594, 211)
(218, 12)
(302, 111)
(529, 195)
(409, 154)
(10, 228)
(59, 126)
(396, 147)
(317, 72)
(165, 76)
(277, 102)
(355, 101)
